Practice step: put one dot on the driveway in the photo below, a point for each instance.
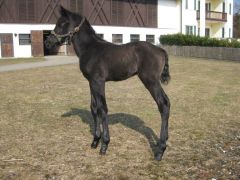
(50, 61)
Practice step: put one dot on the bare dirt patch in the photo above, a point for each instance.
(45, 125)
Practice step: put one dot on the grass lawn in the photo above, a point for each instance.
(45, 125)
(9, 61)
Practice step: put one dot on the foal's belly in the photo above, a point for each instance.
(121, 71)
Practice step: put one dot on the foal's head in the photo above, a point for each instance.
(66, 27)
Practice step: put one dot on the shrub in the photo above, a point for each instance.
(190, 40)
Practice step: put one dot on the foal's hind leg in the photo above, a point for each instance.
(154, 87)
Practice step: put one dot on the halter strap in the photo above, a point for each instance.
(71, 33)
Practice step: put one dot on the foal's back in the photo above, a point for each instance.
(119, 62)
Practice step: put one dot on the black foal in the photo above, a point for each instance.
(101, 61)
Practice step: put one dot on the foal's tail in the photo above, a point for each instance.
(165, 76)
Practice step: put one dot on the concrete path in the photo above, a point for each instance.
(50, 61)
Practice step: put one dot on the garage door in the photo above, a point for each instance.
(6, 45)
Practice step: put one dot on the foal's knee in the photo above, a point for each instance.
(164, 108)
(164, 105)
(167, 101)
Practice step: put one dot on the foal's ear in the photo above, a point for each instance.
(63, 11)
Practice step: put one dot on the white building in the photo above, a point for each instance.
(117, 21)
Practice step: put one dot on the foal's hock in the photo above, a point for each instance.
(102, 61)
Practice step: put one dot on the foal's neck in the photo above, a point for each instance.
(84, 39)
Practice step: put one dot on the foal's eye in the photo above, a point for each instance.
(63, 24)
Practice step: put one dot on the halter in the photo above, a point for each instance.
(70, 34)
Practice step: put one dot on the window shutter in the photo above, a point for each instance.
(73, 5)
(76, 6)
(26, 10)
(31, 10)
(152, 13)
(117, 12)
(22, 8)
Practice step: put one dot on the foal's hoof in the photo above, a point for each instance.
(103, 150)
(94, 144)
(158, 156)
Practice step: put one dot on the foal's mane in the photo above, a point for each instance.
(77, 18)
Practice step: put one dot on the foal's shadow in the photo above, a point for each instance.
(128, 120)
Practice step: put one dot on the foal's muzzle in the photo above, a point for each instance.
(52, 42)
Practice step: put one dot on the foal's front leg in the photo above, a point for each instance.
(96, 130)
(100, 111)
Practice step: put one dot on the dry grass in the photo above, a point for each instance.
(45, 125)
(9, 61)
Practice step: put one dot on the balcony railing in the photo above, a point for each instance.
(214, 16)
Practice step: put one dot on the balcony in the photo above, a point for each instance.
(214, 16)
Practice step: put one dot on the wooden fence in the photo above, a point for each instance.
(221, 53)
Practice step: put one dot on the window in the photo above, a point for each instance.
(230, 32)
(208, 6)
(207, 32)
(117, 38)
(150, 38)
(189, 30)
(186, 5)
(223, 32)
(100, 36)
(134, 37)
(223, 7)
(24, 39)
(195, 4)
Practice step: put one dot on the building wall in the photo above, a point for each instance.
(0, 49)
(230, 18)
(16, 29)
(188, 15)
(215, 29)
(126, 31)
(107, 31)
(169, 18)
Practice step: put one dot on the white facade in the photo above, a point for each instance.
(212, 17)
(16, 29)
(174, 16)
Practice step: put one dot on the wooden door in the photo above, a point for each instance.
(37, 43)
(7, 45)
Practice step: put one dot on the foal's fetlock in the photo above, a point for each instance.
(95, 143)
(159, 154)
